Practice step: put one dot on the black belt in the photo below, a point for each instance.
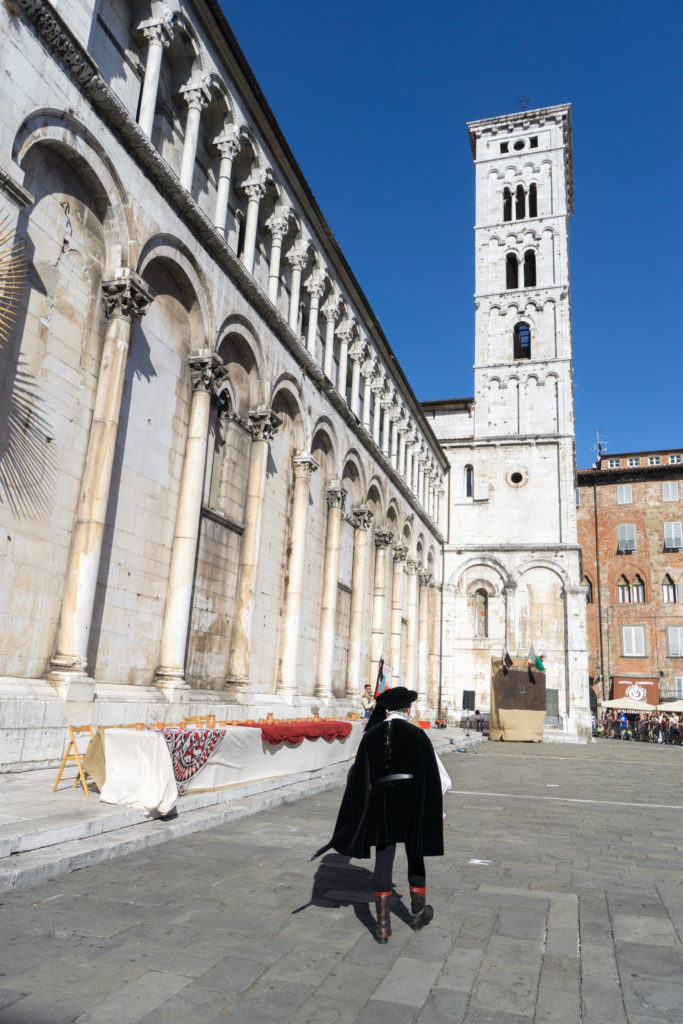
(392, 778)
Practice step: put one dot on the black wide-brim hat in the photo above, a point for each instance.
(397, 698)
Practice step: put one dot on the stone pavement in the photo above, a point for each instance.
(560, 899)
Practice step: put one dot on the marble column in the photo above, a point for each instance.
(356, 353)
(368, 373)
(423, 637)
(263, 424)
(207, 374)
(336, 499)
(158, 34)
(355, 677)
(228, 147)
(420, 480)
(410, 670)
(402, 429)
(433, 634)
(387, 406)
(344, 333)
(254, 190)
(125, 298)
(331, 313)
(278, 225)
(315, 286)
(399, 554)
(377, 392)
(197, 97)
(297, 258)
(409, 461)
(393, 449)
(304, 466)
(512, 640)
(383, 540)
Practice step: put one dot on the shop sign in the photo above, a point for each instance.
(646, 690)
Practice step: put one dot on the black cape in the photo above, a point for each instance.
(409, 811)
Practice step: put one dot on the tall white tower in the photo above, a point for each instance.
(512, 562)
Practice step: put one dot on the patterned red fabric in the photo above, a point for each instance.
(190, 749)
(294, 732)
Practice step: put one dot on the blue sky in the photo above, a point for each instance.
(373, 99)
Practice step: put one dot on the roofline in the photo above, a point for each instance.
(648, 451)
(322, 225)
(443, 403)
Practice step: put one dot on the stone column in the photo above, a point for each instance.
(315, 286)
(393, 450)
(409, 460)
(420, 479)
(356, 353)
(336, 498)
(125, 298)
(344, 333)
(254, 191)
(402, 429)
(368, 373)
(207, 373)
(297, 258)
(331, 313)
(278, 224)
(423, 637)
(197, 97)
(383, 539)
(304, 466)
(387, 406)
(377, 392)
(433, 633)
(355, 681)
(410, 671)
(263, 424)
(228, 147)
(511, 638)
(400, 553)
(158, 35)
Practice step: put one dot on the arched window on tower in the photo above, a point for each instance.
(623, 591)
(520, 203)
(669, 590)
(511, 271)
(481, 613)
(585, 582)
(533, 200)
(638, 590)
(529, 269)
(469, 481)
(521, 342)
(507, 204)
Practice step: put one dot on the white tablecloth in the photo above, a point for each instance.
(139, 771)
(244, 757)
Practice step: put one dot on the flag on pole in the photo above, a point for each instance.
(507, 660)
(536, 661)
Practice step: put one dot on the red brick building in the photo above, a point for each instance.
(629, 514)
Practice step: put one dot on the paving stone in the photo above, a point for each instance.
(506, 987)
(651, 931)
(132, 1002)
(376, 1012)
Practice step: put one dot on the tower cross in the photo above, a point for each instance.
(524, 100)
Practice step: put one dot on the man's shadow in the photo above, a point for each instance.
(338, 883)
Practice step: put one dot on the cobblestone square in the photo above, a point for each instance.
(560, 899)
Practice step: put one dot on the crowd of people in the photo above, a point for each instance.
(647, 727)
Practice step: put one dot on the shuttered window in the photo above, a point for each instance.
(674, 641)
(633, 641)
(626, 534)
(673, 536)
(670, 490)
(624, 494)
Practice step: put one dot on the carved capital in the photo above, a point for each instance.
(278, 224)
(399, 553)
(361, 517)
(304, 465)
(424, 577)
(197, 95)
(357, 351)
(413, 566)
(255, 188)
(206, 370)
(298, 255)
(158, 30)
(315, 286)
(263, 423)
(126, 296)
(336, 496)
(331, 310)
(383, 538)
(228, 145)
(345, 331)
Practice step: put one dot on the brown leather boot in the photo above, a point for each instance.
(421, 912)
(383, 929)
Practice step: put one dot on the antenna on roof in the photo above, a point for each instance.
(600, 446)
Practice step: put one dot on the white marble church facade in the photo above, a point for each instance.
(512, 563)
(218, 491)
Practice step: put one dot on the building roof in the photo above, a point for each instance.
(448, 403)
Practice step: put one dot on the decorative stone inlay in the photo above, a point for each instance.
(263, 423)
(126, 296)
(383, 538)
(361, 517)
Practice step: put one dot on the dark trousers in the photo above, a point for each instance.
(384, 863)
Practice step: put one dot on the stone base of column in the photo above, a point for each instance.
(172, 684)
(69, 676)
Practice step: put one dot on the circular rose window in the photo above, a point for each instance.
(516, 478)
